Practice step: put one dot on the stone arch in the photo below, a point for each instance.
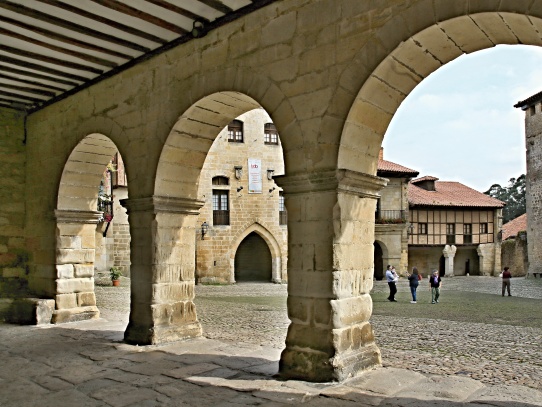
(76, 220)
(431, 46)
(379, 273)
(272, 243)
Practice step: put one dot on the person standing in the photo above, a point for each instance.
(391, 278)
(435, 283)
(506, 276)
(413, 281)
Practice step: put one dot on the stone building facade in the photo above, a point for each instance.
(391, 218)
(533, 142)
(247, 241)
(330, 73)
(514, 252)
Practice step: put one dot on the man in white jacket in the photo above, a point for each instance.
(391, 278)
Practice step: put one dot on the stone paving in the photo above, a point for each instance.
(86, 363)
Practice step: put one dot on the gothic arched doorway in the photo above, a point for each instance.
(253, 260)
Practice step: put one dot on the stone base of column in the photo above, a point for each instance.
(153, 335)
(324, 355)
(61, 316)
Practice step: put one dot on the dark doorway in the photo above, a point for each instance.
(441, 266)
(379, 262)
(253, 260)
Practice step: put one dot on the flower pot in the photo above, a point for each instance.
(116, 283)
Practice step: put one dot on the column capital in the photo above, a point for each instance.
(161, 204)
(340, 180)
(449, 251)
(76, 216)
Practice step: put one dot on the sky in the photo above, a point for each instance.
(459, 123)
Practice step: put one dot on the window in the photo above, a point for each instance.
(221, 208)
(283, 218)
(235, 131)
(270, 134)
(483, 228)
(532, 110)
(467, 233)
(422, 228)
(450, 233)
(221, 180)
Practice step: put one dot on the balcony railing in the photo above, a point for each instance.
(384, 217)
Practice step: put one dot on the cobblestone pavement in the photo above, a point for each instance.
(255, 314)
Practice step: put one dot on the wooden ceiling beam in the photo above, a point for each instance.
(217, 5)
(103, 20)
(38, 15)
(5, 68)
(50, 60)
(37, 67)
(16, 95)
(133, 12)
(178, 10)
(89, 58)
(27, 82)
(28, 90)
(63, 38)
(9, 104)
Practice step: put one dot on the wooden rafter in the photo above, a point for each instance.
(86, 57)
(178, 10)
(27, 82)
(38, 67)
(133, 12)
(63, 38)
(103, 20)
(28, 90)
(50, 60)
(35, 75)
(38, 15)
(16, 95)
(217, 5)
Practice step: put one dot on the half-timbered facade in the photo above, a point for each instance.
(453, 228)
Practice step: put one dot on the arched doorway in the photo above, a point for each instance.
(379, 262)
(77, 217)
(253, 260)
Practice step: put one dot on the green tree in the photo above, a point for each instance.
(513, 195)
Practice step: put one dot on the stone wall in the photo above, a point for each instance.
(514, 255)
(13, 252)
(249, 212)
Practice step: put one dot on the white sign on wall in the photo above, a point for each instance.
(254, 176)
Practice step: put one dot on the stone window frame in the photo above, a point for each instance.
(235, 131)
(270, 134)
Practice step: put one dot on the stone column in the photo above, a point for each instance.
(75, 241)
(162, 254)
(330, 274)
(449, 254)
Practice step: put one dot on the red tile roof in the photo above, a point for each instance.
(388, 166)
(449, 194)
(511, 229)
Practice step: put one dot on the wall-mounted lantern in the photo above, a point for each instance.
(238, 171)
(239, 188)
(270, 173)
(271, 190)
(204, 229)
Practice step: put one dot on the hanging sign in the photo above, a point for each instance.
(254, 176)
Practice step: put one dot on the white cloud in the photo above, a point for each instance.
(460, 123)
